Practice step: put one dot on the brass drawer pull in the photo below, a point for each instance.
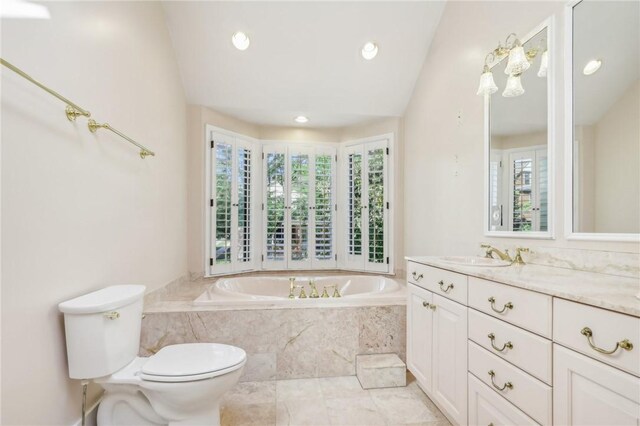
(417, 277)
(507, 305)
(507, 345)
(624, 344)
(446, 290)
(507, 385)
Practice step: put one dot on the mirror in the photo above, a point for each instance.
(606, 119)
(518, 150)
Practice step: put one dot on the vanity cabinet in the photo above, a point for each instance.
(589, 392)
(436, 349)
(504, 355)
(596, 364)
(420, 335)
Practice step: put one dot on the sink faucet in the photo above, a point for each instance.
(490, 250)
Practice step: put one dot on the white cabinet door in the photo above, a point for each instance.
(450, 357)
(420, 335)
(588, 392)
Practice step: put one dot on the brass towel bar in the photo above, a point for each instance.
(73, 110)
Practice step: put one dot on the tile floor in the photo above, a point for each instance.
(328, 401)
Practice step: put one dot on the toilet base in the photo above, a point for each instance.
(126, 409)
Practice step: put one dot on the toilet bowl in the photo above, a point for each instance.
(179, 385)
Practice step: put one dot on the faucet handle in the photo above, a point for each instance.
(518, 258)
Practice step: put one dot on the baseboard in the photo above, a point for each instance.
(90, 415)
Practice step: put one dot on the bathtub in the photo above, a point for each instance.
(273, 291)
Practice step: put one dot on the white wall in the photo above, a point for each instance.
(617, 165)
(81, 211)
(443, 159)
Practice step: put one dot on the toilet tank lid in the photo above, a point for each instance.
(112, 297)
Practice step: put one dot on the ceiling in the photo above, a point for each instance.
(304, 58)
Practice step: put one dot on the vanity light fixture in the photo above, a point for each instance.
(487, 84)
(514, 86)
(240, 40)
(369, 51)
(301, 119)
(544, 64)
(518, 62)
(592, 66)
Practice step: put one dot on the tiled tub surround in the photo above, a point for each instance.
(281, 343)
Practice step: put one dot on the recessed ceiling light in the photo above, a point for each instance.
(369, 51)
(240, 40)
(301, 119)
(592, 66)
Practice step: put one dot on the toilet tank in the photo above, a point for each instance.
(102, 330)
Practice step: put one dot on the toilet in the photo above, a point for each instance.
(179, 385)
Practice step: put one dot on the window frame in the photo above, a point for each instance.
(258, 196)
(235, 140)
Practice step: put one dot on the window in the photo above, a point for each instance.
(299, 207)
(231, 204)
(278, 206)
(367, 201)
(528, 188)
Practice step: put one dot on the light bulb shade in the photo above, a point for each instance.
(514, 87)
(544, 64)
(518, 62)
(487, 85)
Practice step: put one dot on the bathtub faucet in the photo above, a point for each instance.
(336, 293)
(292, 286)
(314, 290)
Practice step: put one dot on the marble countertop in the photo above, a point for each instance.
(611, 292)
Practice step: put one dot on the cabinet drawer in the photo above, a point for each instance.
(608, 331)
(486, 407)
(526, 392)
(524, 308)
(526, 350)
(440, 281)
(416, 273)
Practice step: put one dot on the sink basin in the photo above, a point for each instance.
(474, 261)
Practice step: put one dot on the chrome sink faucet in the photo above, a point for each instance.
(490, 250)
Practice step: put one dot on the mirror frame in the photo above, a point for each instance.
(568, 148)
(547, 24)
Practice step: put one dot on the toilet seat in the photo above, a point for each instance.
(192, 361)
